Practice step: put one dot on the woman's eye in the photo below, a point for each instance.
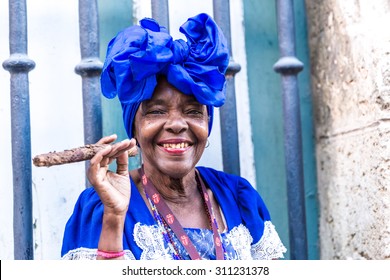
(194, 112)
(155, 112)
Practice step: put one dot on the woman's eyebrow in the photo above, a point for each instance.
(157, 101)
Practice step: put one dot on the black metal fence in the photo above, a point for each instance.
(289, 67)
(19, 65)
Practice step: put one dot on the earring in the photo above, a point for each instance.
(207, 144)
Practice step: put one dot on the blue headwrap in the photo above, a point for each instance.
(139, 53)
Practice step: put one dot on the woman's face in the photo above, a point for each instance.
(172, 130)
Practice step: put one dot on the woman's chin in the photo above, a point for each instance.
(177, 169)
(175, 165)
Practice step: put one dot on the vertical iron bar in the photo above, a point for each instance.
(89, 69)
(289, 67)
(19, 65)
(160, 12)
(228, 112)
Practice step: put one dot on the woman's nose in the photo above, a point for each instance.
(176, 123)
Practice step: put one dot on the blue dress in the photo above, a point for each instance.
(250, 233)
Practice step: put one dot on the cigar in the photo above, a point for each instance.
(73, 155)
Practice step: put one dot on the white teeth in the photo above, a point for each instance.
(176, 146)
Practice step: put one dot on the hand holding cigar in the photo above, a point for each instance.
(73, 155)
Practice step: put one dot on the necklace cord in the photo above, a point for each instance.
(170, 220)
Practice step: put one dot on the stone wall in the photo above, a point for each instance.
(350, 68)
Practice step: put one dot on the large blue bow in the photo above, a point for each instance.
(139, 53)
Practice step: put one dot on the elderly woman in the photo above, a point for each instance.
(169, 208)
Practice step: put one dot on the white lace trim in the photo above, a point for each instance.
(150, 240)
(269, 246)
(241, 239)
(90, 254)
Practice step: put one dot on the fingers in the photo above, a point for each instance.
(133, 148)
(113, 187)
(119, 151)
(123, 158)
(101, 158)
(120, 148)
(121, 155)
(107, 139)
(122, 165)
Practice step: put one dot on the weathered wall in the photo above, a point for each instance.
(350, 59)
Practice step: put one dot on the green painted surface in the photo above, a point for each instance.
(113, 17)
(267, 115)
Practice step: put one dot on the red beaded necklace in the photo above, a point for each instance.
(169, 220)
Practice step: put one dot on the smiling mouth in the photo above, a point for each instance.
(175, 146)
